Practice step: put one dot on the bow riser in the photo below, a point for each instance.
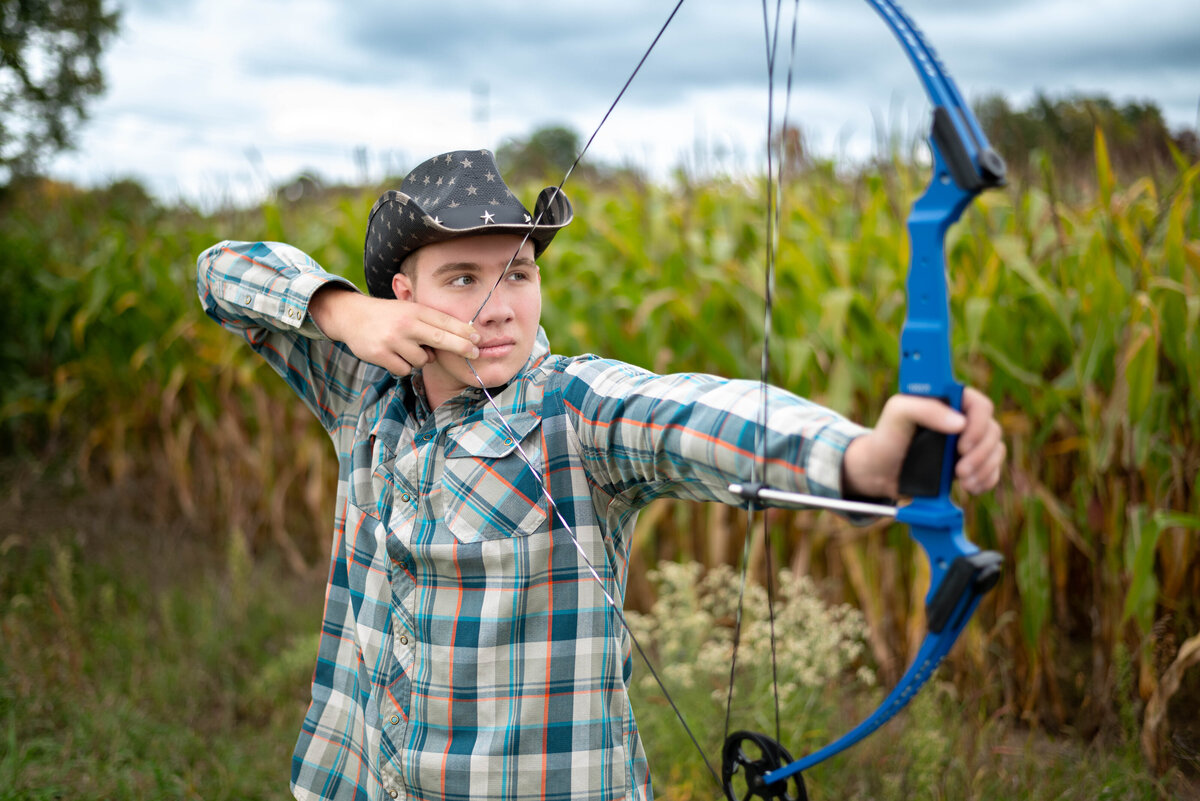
(926, 361)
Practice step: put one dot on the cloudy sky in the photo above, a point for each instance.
(215, 100)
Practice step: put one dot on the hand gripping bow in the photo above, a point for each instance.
(960, 574)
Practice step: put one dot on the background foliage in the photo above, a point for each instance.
(1078, 312)
(49, 70)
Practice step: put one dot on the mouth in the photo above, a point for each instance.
(496, 348)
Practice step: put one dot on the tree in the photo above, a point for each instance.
(49, 69)
(1063, 131)
(544, 155)
(547, 153)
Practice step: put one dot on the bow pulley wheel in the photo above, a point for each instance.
(746, 758)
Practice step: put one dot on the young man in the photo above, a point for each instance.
(468, 650)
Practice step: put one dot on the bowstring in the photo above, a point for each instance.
(772, 224)
(558, 189)
(778, 193)
(609, 599)
(759, 467)
(612, 603)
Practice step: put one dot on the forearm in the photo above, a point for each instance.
(332, 308)
(692, 435)
(263, 291)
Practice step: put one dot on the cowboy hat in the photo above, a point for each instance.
(456, 194)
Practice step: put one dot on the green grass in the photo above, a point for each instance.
(136, 665)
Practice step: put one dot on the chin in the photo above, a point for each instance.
(491, 375)
(494, 375)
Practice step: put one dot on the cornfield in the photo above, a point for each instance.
(1079, 317)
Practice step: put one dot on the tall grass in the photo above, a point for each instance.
(1079, 319)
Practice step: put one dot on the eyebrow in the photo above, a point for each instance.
(473, 267)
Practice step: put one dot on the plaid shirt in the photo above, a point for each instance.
(466, 651)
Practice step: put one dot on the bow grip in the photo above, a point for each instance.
(921, 473)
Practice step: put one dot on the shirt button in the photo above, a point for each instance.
(404, 497)
(508, 440)
(395, 719)
(403, 640)
(393, 793)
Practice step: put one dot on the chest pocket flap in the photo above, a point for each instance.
(491, 492)
(489, 438)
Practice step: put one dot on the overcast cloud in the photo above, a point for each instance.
(217, 100)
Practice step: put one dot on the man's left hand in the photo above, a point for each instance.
(872, 462)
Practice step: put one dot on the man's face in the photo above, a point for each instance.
(455, 277)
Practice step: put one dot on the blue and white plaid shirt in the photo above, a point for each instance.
(467, 652)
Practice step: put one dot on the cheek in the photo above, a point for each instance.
(532, 303)
(456, 307)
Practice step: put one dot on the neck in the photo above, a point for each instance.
(438, 390)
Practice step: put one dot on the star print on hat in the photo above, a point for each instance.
(456, 194)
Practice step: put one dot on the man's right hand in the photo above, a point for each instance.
(397, 335)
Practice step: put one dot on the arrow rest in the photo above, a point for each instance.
(737, 764)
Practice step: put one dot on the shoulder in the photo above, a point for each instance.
(591, 373)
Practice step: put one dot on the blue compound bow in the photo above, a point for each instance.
(960, 574)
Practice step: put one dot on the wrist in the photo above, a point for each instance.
(326, 308)
(860, 478)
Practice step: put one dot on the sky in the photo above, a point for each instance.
(218, 101)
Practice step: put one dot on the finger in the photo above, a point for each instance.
(395, 364)
(416, 355)
(914, 410)
(986, 474)
(974, 456)
(980, 412)
(427, 334)
(441, 321)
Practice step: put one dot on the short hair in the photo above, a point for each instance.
(409, 265)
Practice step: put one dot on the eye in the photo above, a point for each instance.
(520, 274)
(463, 280)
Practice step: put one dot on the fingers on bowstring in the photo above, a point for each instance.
(440, 331)
(452, 325)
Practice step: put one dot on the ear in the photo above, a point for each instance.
(402, 286)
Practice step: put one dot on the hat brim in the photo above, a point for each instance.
(398, 225)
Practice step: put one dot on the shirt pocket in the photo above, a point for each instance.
(491, 492)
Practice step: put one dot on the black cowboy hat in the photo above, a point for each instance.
(456, 194)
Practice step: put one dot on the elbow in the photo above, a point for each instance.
(204, 268)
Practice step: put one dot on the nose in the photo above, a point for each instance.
(497, 308)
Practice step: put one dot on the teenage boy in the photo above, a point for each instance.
(487, 491)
